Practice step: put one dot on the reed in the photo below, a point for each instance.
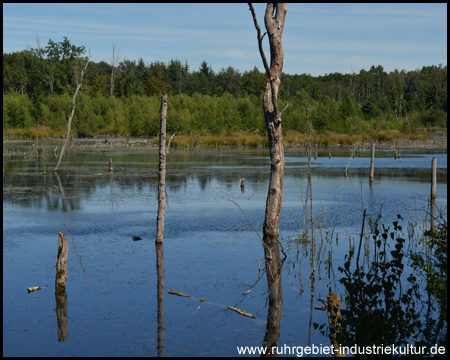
(41, 132)
(237, 139)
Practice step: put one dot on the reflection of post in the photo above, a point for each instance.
(313, 280)
(372, 162)
(162, 172)
(433, 192)
(61, 313)
(160, 296)
(111, 182)
(60, 286)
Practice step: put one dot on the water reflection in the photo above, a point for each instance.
(160, 296)
(273, 273)
(61, 313)
(108, 208)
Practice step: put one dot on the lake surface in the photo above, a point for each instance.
(210, 250)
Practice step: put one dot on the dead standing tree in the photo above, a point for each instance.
(162, 172)
(274, 23)
(69, 123)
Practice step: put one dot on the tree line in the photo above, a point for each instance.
(124, 96)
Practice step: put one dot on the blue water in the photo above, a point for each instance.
(210, 249)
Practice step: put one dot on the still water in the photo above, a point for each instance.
(210, 250)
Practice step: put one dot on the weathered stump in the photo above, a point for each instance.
(61, 262)
(372, 163)
(110, 165)
(433, 177)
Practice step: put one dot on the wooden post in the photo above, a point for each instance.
(433, 193)
(110, 165)
(162, 172)
(433, 177)
(372, 163)
(61, 262)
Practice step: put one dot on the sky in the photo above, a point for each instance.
(318, 39)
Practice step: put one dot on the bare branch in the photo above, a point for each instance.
(285, 108)
(259, 37)
(168, 145)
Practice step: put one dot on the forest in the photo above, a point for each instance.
(123, 97)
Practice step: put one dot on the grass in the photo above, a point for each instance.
(238, 140)
(41, 132)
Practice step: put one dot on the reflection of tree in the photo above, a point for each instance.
(160, 296)
(60, 287)
(63, 195)
(273, 272)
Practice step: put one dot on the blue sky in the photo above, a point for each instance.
(318, 39)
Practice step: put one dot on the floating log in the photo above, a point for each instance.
(242, 312)
(136, 238)
(173, 292)
(35, 288)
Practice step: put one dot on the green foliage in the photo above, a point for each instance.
(222, 102)
(16, 111)
(379, 309)
(430, 263)
(383, 303)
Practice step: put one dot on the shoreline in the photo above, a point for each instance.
(292, 141)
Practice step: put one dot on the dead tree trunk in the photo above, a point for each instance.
(61, 262)
(433, 193)
(69, 123)
(372, 163)
(274, 23)
(115, 61)
(162, 172)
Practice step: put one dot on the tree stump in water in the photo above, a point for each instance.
(61, 261)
